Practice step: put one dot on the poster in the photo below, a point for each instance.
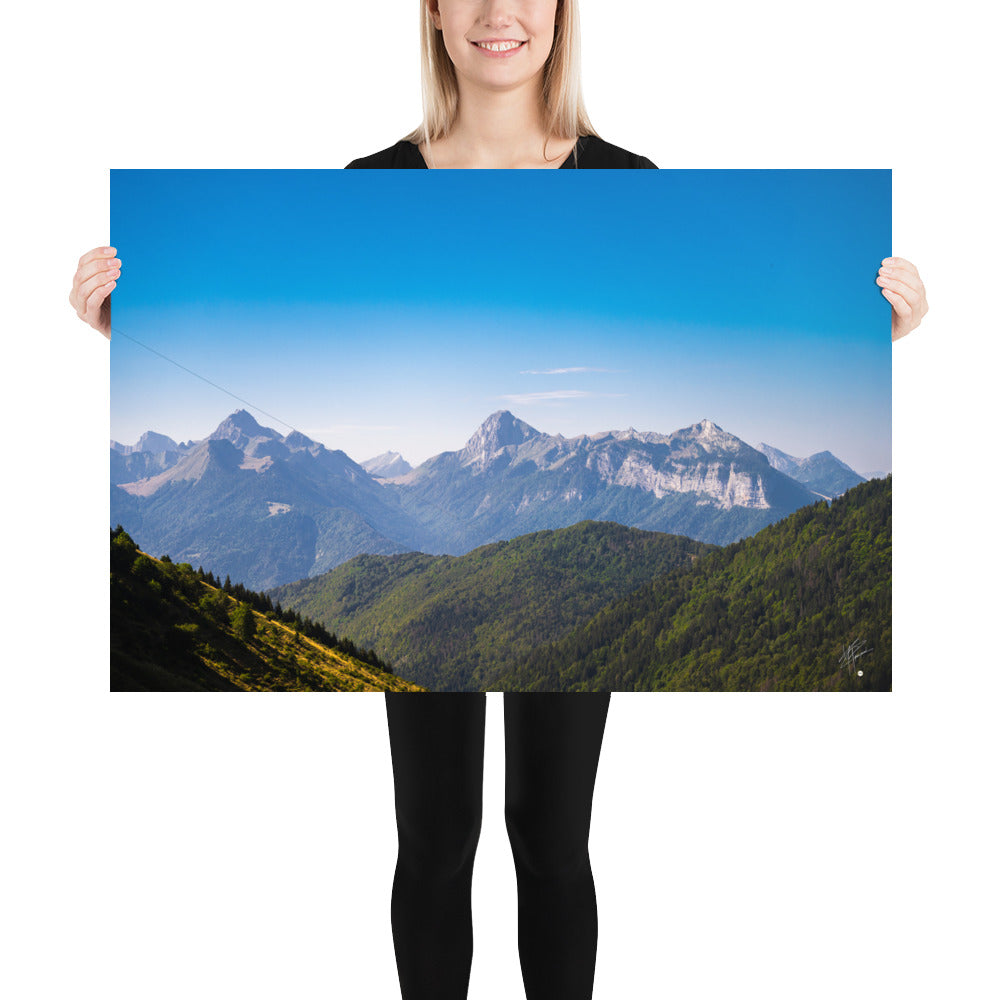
(483, 431)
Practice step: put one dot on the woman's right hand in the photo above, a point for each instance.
(96, 275)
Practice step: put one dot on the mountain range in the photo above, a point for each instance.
(268, 508)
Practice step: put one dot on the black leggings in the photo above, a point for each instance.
(553, 742)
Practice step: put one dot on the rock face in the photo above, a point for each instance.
(267, 509)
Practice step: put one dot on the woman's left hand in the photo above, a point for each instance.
(902, 286)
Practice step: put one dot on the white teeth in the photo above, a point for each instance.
(499, 46)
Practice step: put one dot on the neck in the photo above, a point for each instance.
(496, 129)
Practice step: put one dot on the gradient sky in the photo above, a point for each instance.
(377, 310)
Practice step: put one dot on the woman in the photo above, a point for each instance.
(501, 89)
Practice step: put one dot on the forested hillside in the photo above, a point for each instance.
(771, 612)
(174, 628)
(458, 623)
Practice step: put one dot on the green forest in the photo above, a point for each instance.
(458, 623)
(175, 628)
(777, 611)
(805, 604)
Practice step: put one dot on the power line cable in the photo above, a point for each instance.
(215, 385)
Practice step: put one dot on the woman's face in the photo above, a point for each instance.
(497, 44)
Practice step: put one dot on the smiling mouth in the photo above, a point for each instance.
(499, 46)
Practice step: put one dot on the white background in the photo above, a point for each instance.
(778, 846)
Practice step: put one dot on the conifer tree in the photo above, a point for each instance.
(243, 622)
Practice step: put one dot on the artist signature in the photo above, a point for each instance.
(852, 654)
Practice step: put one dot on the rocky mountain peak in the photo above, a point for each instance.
(708, 429)
(711, 437)
(387, 465)
(498, 431)
(240, 429)
(296, 440)
(501, 429)
(779, 459)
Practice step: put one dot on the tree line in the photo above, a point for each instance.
(126, 557)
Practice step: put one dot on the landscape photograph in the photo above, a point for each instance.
(500, 431)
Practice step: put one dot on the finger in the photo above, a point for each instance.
(95, 281)
(89, 277)
(915, 298)
(897, 267)
(899, 262)
(99, 268)
(900, 286)
(899, 305)
(96, 254)
(94, 301)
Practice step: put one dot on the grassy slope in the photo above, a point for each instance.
(171, 631)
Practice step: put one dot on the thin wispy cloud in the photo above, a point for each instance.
(566, 371)
(524, 398)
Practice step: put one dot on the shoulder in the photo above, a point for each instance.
(594, 153)
(401, 155)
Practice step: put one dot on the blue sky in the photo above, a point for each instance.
(377, 310)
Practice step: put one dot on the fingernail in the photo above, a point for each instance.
(109, 251)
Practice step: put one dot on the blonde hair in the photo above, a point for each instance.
(565, 115)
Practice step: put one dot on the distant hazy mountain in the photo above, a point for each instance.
(823, 473)
(267, 509)
(150, 441)
(387, 465)
(152, 454)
